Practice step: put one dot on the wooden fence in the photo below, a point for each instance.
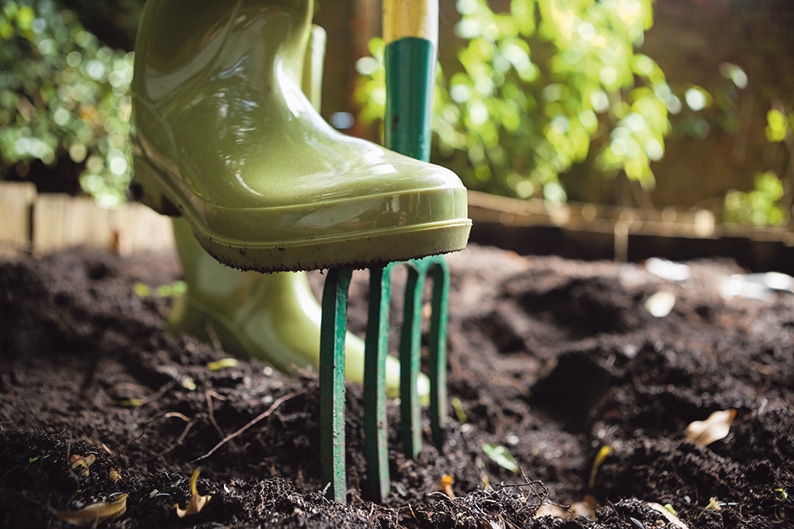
(42, 223)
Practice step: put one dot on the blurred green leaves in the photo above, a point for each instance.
(63, 93)
(764, 204)
(759, 207)
(546, 85)
(778, 125)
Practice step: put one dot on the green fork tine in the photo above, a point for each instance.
(410, 349)
(377, 342)
(410, 352)
(332, 381)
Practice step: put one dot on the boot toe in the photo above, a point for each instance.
(337, 231)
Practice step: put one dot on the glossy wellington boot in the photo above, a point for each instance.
(271, 317)
(225, 137)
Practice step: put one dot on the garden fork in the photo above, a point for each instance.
(411, 35)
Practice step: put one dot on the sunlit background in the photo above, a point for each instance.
(674, 103)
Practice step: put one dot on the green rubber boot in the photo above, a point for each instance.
(225, 137)
(272, 317)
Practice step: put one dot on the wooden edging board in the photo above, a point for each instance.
(43, 223)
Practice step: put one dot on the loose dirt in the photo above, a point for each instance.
(557, 363)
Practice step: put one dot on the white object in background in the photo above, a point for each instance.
(756, 286)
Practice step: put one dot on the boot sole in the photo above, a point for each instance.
(309, 248)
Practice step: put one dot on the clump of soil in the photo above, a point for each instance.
(558, 362)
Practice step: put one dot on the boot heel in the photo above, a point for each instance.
(146, 188)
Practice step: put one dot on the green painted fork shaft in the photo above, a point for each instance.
(410, 65)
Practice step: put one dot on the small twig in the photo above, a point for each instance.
(251, 423)
(209, 326)
(209, 394)
(189, 424)
(160, 392)
(183, 435)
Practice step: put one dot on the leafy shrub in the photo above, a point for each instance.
(763, 205)
(63, 93)
(759, 207)
(542, 87)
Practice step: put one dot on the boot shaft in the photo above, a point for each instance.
(186, 43)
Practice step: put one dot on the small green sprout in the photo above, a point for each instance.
(142, 290)
(223, 363)
(599, 459)
(177, 288)
(127, 403)
(457, 407)
(501, 456)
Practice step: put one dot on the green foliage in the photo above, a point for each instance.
(544, 86)
(763, 205)
(501, 456)
(778, 125)
(714, 109)
(759, 207)
(63, 93)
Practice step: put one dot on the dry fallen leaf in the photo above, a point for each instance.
(714, 504)
(80, 464)
(95, 513)
(585, 508)
(551, 509)
(671, 518)
(445, 483)
(716, 427)
(196, 502)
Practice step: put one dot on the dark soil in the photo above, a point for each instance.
(557, 361)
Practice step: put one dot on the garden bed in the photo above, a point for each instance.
(558, 362)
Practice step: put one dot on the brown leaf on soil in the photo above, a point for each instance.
(196, 502)
(95, 513)
(671, 518)
(716, 427)
(80, 464)
(445, 484)
(585, 508)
